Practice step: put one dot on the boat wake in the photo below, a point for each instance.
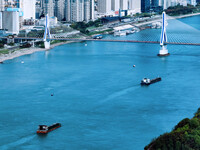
(120, 93)
(21, 141)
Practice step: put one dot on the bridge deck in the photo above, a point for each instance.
(103, 40)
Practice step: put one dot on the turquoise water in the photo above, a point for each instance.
(97, 94)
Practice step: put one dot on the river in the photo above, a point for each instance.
(97, 94)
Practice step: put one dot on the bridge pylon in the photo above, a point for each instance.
(163, 39)
(47, 34)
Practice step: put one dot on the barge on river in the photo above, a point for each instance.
(44, 129)
(147, 81)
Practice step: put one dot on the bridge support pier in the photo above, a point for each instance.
(47, 44)
(163, 40)
(163, 51)
(47, 33)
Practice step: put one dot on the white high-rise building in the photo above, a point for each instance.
(115, 5)
(2, 3)
(86, 10)
(166, 4)
(104, 6)
(123, 4)
(10, 21)
(192, 2)
(161, 2)
(91, 9)
(135, 6)
(28, 9)
(182, 2)
(1, 20)
(79, 10)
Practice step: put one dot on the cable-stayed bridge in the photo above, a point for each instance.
(178, 33)
(106, 40)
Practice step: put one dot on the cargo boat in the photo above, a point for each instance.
(147, 81)
(44, 129)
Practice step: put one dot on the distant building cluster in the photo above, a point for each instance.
(152, 5)
(15, 13)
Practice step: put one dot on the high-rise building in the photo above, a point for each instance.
(182, 2)
(79, 10)
(59, 9)
(145, 5)
(192, 2)
(154, 3)
(167, 3)
(161, 3)
(86, 10)
(10, 21)
(91, 9)
(115, 5)
(2, 3)
(48, 7)
(134, 5)
(28, 9)
(124, 4)
(68, 10)
(1, 20)
(104, 6)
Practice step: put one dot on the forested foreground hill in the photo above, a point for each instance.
(184, 136)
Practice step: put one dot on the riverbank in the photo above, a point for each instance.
(26, 51)
(184, 16)
(168, 17)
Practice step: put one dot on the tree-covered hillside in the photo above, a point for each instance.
(184, 136)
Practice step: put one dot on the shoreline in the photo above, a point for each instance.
(27, 51)
(168, 18)
(184, 16)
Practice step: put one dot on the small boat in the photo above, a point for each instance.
(98, 36)
(130, 32)
(44, 129)
(120, 33)
(147, 81)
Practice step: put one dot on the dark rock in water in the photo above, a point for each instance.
(52, 94)
(1, 62)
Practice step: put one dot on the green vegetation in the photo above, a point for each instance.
(84, 27)
(60, 29)
(39, 44)
(34, 33)
(2, 44)
(143, 15)
(56, 41)
(6, 51)
(11, 44)
(184, 136)
(182, 10)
